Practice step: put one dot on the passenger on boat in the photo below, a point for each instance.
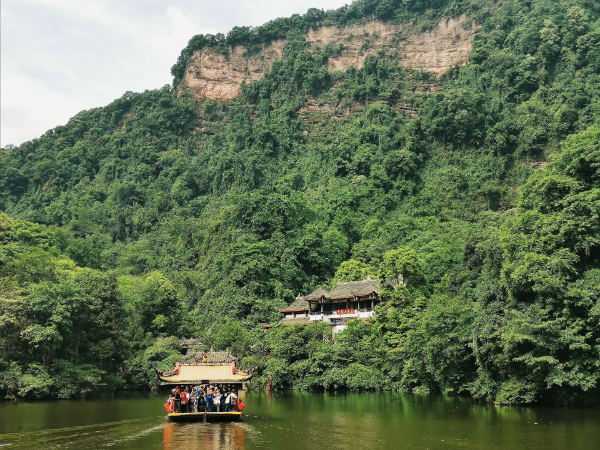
(169, 405)
(230, 401)
(194, 402)
(217, 400)
(227, 401)
(209, 398)
(184, 401)
(202, 400)
(177, 396)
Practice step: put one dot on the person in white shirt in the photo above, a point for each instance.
(217, 400)
(228, 401)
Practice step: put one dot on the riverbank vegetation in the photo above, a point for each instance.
(157, 218)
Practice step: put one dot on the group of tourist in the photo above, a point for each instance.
(204, 398)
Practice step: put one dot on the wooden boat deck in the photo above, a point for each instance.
(209, 416)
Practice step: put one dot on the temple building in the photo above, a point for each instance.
(346, 301)
(297, 313)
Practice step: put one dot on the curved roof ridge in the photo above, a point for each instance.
(317, 293)
(300, 304)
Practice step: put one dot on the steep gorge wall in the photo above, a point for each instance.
(214, 76)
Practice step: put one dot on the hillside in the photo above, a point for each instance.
(454, 141)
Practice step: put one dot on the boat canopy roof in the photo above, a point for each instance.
(202, 373)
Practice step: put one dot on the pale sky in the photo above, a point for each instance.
(59, 57)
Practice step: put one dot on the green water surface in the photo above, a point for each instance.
(301, 421)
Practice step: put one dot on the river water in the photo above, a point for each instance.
(300, 421)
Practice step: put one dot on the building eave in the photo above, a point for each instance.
(293, 310)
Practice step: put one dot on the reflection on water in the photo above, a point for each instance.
(209, 436)
(300, 421)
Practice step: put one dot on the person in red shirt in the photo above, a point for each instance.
(184, 401)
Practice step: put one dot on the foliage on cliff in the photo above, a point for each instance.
(426, 13)
(162, 217)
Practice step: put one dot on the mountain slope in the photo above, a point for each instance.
(285, 150)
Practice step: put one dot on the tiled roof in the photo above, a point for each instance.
(316, 294)
(350, 289)
(347, 289)
(196, 373)
(220, 357)
(297, 305)
(211, 357)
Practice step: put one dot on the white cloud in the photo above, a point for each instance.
(76, 32)
(62, 56)
(28, 108)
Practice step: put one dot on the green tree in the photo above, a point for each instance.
(351, 270)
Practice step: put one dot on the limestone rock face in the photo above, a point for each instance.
(212, 75)
(439, 50)
(215, 76)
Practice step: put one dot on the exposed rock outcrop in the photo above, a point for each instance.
(216, 76)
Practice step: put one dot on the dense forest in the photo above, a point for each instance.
(161, 217)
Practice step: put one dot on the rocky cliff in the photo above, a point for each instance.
(217, 76)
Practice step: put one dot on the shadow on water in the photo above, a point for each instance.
(300, 421)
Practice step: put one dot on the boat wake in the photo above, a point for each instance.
(109, 434)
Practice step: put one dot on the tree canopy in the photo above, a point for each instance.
(161, 217)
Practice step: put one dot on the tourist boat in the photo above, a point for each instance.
(212, 368)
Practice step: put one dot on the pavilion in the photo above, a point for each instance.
(347, 301)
